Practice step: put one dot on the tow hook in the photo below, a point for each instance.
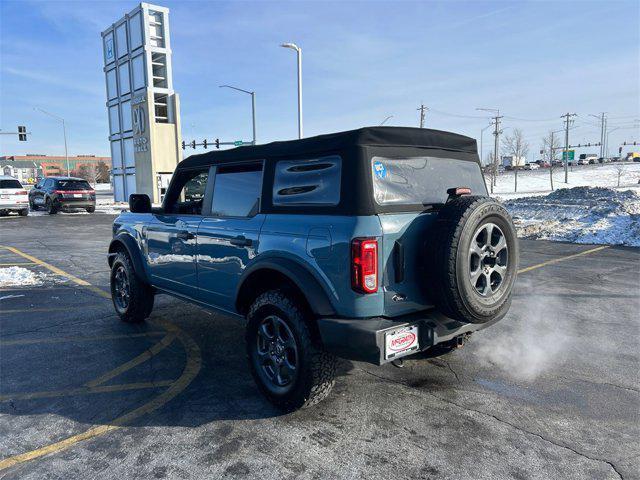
(461, 339)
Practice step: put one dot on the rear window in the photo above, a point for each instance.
(313, 181)
(73, 185)
(10, 184)
(422, 180)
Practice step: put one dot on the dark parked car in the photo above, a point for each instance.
(372, 245)
(62, 193)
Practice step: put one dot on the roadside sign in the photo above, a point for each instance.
(238, 143)
(572, 154)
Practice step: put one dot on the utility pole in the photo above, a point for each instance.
(496, 148)
(567, 116)
(603, 122)
(422, 110)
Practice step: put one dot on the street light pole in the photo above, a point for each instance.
(481, 135)
(64, 132)
(298, 50)
(253, 107)
(385, 120)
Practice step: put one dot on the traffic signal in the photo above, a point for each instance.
(22, 133)
(184, 145)
(619, 150)
(204, 143)
(193, 144)
(218, 143)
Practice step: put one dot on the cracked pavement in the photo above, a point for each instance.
(563, 401)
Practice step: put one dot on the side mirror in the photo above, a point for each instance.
(139, 203)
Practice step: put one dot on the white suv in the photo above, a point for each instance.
(13, 197)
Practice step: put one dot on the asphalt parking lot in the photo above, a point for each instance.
(552, 391)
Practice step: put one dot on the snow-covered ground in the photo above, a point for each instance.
(537, 182)
(22, 277)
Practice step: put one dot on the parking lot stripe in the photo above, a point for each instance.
(562, 259)
(31, 341)
(16, 264)
(84, 390)
(191, 370)
(58, 271)
(143, 357)
(29, 310)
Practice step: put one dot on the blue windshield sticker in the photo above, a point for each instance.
(379, 169)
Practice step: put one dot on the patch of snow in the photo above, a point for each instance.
(580, 215)
(7, 297)
(21, 277)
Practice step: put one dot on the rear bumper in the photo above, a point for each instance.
(71, 203)
(363, 339)
(14, 207)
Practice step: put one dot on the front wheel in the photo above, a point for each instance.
(132, 298)
(291, 370)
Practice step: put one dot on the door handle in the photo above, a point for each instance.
(241, 241)
(184, 235)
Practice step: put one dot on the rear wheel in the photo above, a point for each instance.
(50, 207)
(473, 259)
(132, 298)
(91, 209)
(291, 370)
(24, 212)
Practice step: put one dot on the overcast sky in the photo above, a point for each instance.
(362, 61)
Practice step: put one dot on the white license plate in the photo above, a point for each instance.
(77, 195)
(401, 342)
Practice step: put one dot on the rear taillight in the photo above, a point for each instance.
(364, 265)
(20, 192)
(61, 192)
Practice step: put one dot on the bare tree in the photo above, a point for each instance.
(620, 169)
(102, 172)
(550, 145)
(89, 172)
(516, 146)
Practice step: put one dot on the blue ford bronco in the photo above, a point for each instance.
(370, 245)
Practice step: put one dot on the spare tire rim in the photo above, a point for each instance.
(277, 351)
(488, 259)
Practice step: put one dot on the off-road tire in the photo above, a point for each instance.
(316, 371)
(141, 295)
(448, 260)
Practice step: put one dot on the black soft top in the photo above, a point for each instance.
(355, 148)
(340, 141)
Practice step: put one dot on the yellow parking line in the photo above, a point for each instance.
(562, 259)
(15, 264)
(84, 390)
(191, 370)
(58, 271)
(143, 357)
(30, 341)
(35, 310)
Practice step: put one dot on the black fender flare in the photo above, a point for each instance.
(310, 287)
(131, 247)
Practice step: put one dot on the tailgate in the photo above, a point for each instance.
(403, 275)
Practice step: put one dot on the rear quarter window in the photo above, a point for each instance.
(307, 182)
(422, 180)
(10, 184)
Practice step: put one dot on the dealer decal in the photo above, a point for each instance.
(379, 169)
(403, 342)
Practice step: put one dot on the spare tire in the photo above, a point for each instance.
(472, 259)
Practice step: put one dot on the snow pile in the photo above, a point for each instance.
(20, 277)
(580, 215)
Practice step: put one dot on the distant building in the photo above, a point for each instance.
(28, 168)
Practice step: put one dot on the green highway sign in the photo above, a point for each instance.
(572, 155)
(238, 143)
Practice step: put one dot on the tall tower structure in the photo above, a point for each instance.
(143, 109)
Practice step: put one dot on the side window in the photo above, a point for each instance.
(237, 189)
(313, 181)
(48, 183)
(187, 194)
